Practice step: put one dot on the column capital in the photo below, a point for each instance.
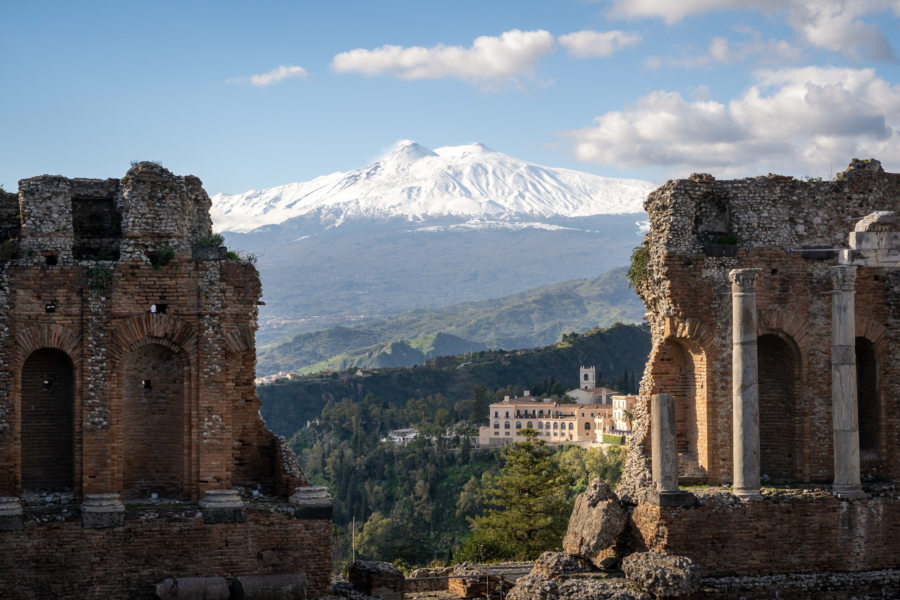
(743, 280)
(843, 278)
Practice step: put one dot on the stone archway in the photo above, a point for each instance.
(47, 422)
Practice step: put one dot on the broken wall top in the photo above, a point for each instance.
(690, 215)
(107, 219)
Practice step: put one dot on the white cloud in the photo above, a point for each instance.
(835, 25)
(274, 76)
(490, 58)
(584, 44)
(725, 52)
(801, 120)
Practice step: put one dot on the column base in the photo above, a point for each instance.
(311, 503)
(102, 511)
(11, 514)
(748, 494)
(223, 506)
(848, 492)
(674, 498)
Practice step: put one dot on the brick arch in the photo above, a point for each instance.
(690, 329)
(47, 335)
(238, 340)
(872, 330)
(152, 328)
(786, 324)
(679, 366)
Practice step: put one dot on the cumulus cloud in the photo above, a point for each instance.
(601, 44)
(802, 120)
(489, 58)
(835, 25)
(274, 76)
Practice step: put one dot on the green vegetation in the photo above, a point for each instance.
(213, 240)
(99, 278)
(729, 240)
(162, 256)
(414, 503)
(619, 353)
(528, 319)
(637, 272)
(230, 255)
(614, 440)
(527, 506)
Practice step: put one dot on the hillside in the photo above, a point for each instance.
(287, 406)
(529, 319)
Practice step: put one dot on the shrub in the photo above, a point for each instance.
(99, 278)
(162, 256)
(213, 240)
(637, 272)
(613, 440)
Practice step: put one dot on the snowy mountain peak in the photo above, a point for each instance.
(407, 151)
(469, 181)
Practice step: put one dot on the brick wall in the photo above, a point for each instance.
(789, 532)
(59, 559)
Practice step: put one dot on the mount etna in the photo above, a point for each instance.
(423, 229)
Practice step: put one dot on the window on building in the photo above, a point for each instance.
(587, 426)
(530, 425)
(506, 425)
(541, 413)
(540, 424)
(506, 433)
(507, 414)
(582, 414)
(571, 425)
(496, 414)
(518, 424)
(496, 433)
(496, 424)
(555, 426)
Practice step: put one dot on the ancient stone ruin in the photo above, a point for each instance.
(131, 446)
(774, 305)
(766, 453)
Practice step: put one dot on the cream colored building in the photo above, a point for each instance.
(556, 423)
(620, 406)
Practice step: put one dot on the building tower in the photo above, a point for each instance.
(587, 379)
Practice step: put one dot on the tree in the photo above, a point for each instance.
(528, 511)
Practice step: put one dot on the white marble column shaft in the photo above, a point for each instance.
(843, 382)
(745, 384)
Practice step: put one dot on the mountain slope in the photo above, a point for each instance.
(287, 406)
(415, 183)
(528, 319)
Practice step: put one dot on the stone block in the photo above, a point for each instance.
(269, 587)
(597, 521)
(311, 502)
(102, 511)
(192, 588)
(663, 575)
(378, 579)
(679, 498)
(223, 506)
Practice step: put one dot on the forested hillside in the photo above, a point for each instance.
(528, 319)
(618, 353)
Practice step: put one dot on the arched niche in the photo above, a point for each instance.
(153, 383)
(47, 421)
(779, 415)
(868, 401)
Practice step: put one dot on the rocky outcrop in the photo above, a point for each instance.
(597, 521)
(663, 575)
(557, 564)
(538, 587)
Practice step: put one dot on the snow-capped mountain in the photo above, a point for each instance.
(413, 182)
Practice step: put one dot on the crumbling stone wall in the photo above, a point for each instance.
(105, 275)
(128, 360)
(790, 229)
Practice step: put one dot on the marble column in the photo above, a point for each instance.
(745, 384)
(662, 440)
(843, 383)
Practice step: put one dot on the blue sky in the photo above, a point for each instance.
(255, 95)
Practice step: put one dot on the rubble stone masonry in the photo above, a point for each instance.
(792, 232)
(127, 360)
